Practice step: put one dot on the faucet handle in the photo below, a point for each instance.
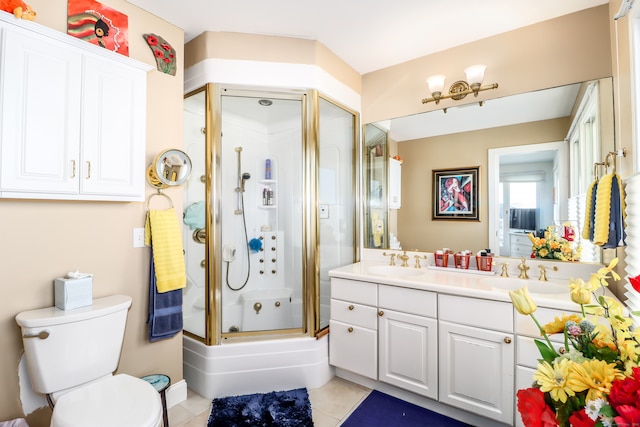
(418, 258)
(393, 258)
(523, 267)
(543, 272)
(504, 272)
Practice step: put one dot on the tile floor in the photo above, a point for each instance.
(331, 405)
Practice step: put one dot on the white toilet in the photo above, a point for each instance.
(71, 356)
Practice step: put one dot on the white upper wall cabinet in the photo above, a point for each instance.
(73, 118)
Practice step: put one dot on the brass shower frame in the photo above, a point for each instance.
(310, 232)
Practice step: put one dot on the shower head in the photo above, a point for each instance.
(245, 176)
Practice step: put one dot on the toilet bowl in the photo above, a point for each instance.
(71, 356)
(120, 400)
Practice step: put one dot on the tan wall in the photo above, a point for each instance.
(253, 47)
(569, 49)
(416, 229)
(42, 240)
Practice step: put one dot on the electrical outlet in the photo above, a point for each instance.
(138, 238)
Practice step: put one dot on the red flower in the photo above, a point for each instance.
(635, 282)
(581, 419)
(167, 60)
(158, 53)
(152, 41)
(534, 410)
(165, 46)
(625, 391)
(627, 416)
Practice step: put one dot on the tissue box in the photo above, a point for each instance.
(73, 293)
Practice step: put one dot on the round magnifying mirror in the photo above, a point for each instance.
(169, 168)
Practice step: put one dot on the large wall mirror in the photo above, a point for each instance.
(541, 144)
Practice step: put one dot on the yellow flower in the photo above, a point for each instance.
(593, 375)
(543, 252)
(557, 325)
(554, 379)
(580, 292)
(522, 301)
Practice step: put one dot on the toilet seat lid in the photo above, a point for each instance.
(120, 400)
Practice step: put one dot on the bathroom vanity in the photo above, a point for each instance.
(444, 339)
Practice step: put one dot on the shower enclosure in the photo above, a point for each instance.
(269, 209)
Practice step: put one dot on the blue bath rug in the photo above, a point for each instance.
(382, 410)
(275, 409)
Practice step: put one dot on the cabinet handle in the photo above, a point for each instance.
(88, 170)
(350, 329)
(351, 307)
(381, 313)
(507, 340)
(73, 168)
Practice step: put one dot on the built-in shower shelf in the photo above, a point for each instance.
(267, 181)
(267, 206)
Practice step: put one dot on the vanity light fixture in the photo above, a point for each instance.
(461, 88)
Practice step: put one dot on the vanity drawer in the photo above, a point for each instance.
(526, 326)
(520, 239)
(354, 314)
(354, 291)
(527, 353)
(407, 300)
(487, 314)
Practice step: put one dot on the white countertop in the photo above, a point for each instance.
(454, 282)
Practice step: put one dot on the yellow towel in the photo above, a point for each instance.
(586, 231)
(163, 235)
(603, 208)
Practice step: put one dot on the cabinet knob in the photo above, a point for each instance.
(562, 350)
(351, 307)
(73, 168)
(507, 340)
(88, 170)
(350, 329)
(381, 313)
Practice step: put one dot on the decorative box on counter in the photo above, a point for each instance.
(73, 292)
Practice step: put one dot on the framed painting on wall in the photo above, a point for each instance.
(98, 24)
(456, 193)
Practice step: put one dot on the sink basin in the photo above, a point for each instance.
(535, 286)
(393, 271)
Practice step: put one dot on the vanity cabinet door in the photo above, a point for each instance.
(408, 352)
(477, 370)
(354, 349)
(40, 114)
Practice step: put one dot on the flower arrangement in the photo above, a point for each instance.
(553, 246)
(596, 381)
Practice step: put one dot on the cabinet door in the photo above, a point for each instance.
(354, 349)
(477, 370)
(40, 81)
(408, 352)
(113, 129)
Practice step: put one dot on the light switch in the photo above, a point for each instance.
(138, 238)
(324, 211)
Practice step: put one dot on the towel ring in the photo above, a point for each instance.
(159, 193)
(595, 169)
(613, 155)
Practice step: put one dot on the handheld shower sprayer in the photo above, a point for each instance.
(245, 176)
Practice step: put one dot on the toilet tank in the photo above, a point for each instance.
(64, 349)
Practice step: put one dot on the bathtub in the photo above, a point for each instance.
(256, 367)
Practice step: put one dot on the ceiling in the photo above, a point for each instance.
(373, 34)
(367, 34)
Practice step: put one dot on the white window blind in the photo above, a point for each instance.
(632, 250)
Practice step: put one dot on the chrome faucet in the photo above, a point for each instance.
(523, 267)
(543, 272)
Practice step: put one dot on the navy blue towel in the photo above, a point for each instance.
(617, 234)
(165, 309)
